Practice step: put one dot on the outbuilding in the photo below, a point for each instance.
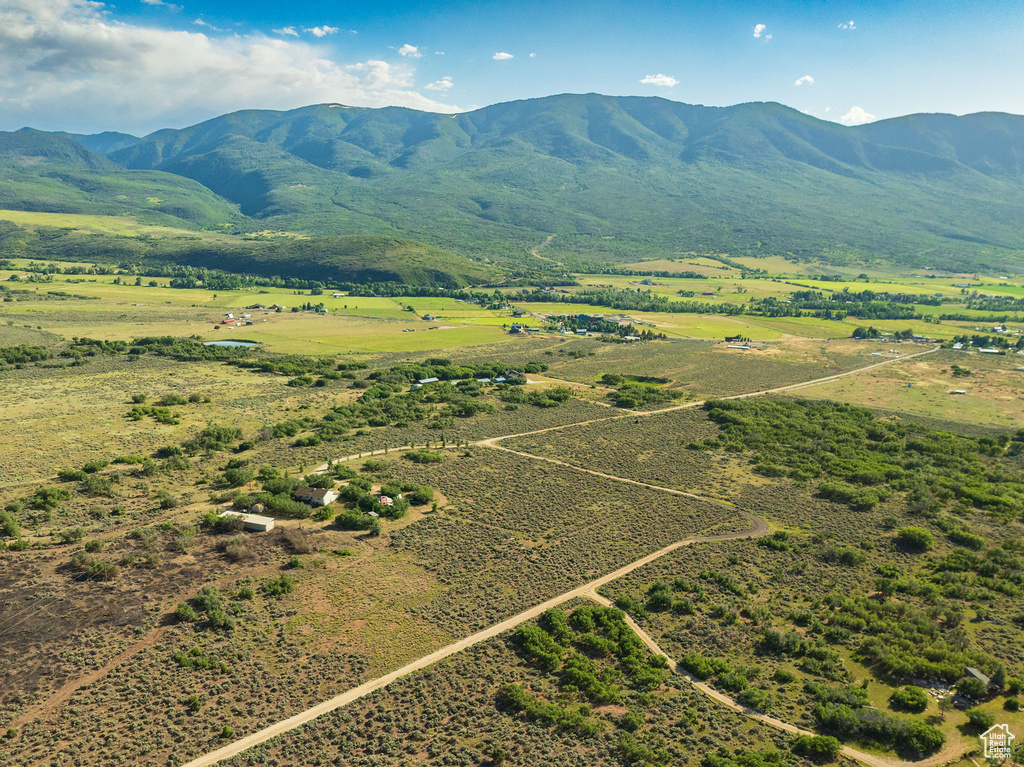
(253, 523)
(978, 675)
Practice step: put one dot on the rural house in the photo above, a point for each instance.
(315, 496)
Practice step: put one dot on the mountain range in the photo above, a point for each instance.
(612, 178)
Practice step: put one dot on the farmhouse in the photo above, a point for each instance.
(429, 317)
(315, 496)
(429, 380)
(254, 523)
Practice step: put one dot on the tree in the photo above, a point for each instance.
(9, 527)
(945, 705)
(999, 677)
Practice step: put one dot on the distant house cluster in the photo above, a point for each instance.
(504, 378)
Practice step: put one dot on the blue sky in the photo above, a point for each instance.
(139, 65)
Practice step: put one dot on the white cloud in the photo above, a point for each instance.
(284, 31)
(805, 80)
(856, 116)
(441, 85)
(322, 31)
(660, 79)
(439, 53)
(69, 64)
(502, 56)
(759, 30)
(411, 51)
(847, 25)
(171, 6)
(533, 55)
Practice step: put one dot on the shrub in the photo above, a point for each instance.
(237, 547)
(755, 698)
(166, 500)
(782, 676)
(972, 688)
(344, 472)
(279, 586)
(376, 465)
(48, 498)
(9, 527)
(915, 539)
(72, 535)
(424, 456)
(980, 720)
(912, 699)
(822, 748)
(234, 477)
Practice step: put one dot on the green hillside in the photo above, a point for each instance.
(617, 178)
(330, 260)
(45, 172)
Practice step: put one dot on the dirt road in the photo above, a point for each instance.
(871, 760)
(758, 528)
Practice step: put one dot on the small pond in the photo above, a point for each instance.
(229, 343)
